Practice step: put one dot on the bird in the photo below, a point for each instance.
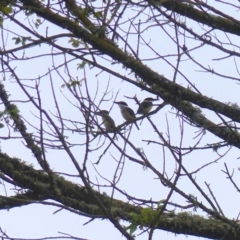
(108, 122)
(127, 112)
(146, 105)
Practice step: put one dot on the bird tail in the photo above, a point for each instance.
(136, 125)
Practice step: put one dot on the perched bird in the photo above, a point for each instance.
(107, 120)
(145, 106)
(127, 112)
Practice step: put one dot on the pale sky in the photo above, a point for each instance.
(38, 221)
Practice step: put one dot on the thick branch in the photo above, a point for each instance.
(78, 198)
(149, 76)
(227, 24)
(13, 111)
(173, 90)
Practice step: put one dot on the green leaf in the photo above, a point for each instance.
(133, 228)
(38, 22)
(24, 39)
(17, 40)
(75, 42)
(98, 14)
(81, 65)
(73, 83)
(21, 40)
(5, 9)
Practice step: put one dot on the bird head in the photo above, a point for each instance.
(149, 99)
(102, 113)
(121, 104)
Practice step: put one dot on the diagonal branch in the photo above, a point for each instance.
(225, 23)
(20, 126)
(168, 90)
(82, 201)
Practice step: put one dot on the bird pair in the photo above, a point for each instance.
(127, 113)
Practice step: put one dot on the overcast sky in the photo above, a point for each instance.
(38, 221)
